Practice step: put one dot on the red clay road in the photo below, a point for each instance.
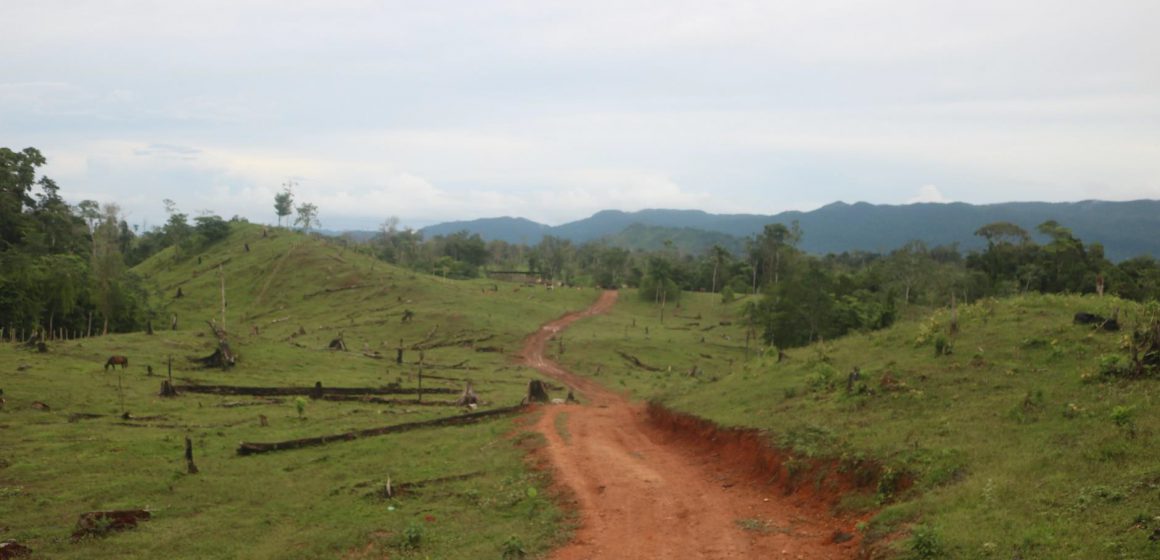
(641, 494)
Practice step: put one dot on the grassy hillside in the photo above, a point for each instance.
(309, 503)
(1015, 446)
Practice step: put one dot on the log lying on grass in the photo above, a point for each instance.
(246, 448)
(388, 490)
(309, 391)
(636, 361)
(381, 400)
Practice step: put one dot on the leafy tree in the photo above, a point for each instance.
(17, 178)
(211, 229)
(284, 202)
(307, 217)
(719, 255)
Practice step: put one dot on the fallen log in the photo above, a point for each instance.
(308, 391)
(636, 361)
(236, 404)
(389, 490)
(381, 400)
(246, 448)
(332, 290)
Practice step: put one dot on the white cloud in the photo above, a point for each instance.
(455, 110)
(928, 193)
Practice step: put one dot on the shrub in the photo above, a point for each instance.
(514, 548)
(925, 543)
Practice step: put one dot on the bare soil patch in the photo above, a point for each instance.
(644, 488)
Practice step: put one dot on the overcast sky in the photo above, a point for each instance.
(434, 111)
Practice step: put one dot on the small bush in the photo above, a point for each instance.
(925, 543)
(1113, 365)
(412, 537)
(1124, 418)
(942, 345)
(513, 548)
(727, 295)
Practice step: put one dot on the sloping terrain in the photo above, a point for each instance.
(1008, 443)
(459, 492)
(644, 492)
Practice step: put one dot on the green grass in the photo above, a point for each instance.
(310, 503)
(1014, 443)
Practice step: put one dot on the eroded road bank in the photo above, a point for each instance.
(643, 493)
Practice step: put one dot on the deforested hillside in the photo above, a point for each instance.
(392, 464)
(1016, 434)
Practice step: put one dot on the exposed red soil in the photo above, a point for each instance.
(655, 484)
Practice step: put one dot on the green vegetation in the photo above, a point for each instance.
(1016, 441)
(287, 296)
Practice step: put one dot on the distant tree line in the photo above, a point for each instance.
(794, 298)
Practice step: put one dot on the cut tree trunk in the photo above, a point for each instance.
(468, 397)
(537, 392)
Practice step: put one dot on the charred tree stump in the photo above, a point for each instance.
(537, 392)
(13, 549)
(167, 389)
(190, 467)
(179, 293)
(316, 393)
(149, 327)
(337, 344)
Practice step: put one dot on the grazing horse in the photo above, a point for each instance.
(115, 361)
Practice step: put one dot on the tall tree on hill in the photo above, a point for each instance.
(719, 255)
(307, 217)
(284, 201)
(107, 265)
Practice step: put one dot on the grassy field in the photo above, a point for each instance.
(1016, 446)
(320, 502)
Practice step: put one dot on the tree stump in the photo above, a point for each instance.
(99, 523)
(189, 457)
(537, 392)
(468, 397)
(167, 389)
(13, 549)
(317, 392)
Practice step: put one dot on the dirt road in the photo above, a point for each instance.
(642, 494)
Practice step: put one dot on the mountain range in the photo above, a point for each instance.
(1126, 229)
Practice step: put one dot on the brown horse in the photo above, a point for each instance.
(115, 361)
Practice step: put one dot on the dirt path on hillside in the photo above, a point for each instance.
(642, 494)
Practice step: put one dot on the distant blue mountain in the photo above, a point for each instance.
(1126, 229)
